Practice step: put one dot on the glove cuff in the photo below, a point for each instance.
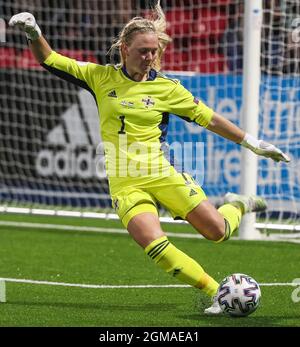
(250, 142)
(34, 33)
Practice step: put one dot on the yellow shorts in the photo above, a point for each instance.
(178, 193)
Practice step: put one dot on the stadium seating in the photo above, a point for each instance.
(26, 60)
(216, 2)
(179, 22)
(197, 58)
(208, 23)
(196, 32)
(7, 57)
(200, 23)
(201, 59)
(175, 59)
(80, 55)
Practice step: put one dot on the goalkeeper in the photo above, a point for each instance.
(134, 100)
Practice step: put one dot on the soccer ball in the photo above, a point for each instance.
(238, 295)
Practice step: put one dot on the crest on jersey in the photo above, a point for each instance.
(148, 102)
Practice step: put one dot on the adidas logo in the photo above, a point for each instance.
(193, 192)
(112, 94)
(74, 141)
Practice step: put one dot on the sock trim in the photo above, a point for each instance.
(227, 233)
(154, 243)
(154, 252)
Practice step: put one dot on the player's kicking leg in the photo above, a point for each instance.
(246, 204)
(207, 220)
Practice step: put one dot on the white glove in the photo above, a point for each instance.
(264, 149)
(27, 23)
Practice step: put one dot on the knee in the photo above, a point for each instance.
(215, 231)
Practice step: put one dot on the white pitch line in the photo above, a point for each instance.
(96, 286)
(277, 284)
(67, 227)
(87, 228)
(62, 227)
(108, 286)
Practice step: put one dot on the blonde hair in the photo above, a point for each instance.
(136, 25)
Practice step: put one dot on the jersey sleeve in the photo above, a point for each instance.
(82, 74)
(185, 105)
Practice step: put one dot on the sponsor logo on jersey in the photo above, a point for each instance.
(127, 104)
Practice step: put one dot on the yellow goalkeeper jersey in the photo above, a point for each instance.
(133, 116)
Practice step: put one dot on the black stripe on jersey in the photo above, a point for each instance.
(158, 249)
(163, 127)
(186, 119)
(69, 78)
(185, 178)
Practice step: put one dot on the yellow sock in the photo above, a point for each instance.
(181, 266)
(232, 216)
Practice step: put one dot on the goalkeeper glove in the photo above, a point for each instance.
(27, 23)
(264, 149)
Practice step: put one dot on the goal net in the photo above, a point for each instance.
(50, 147)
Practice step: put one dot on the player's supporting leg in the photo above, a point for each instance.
(146, 231)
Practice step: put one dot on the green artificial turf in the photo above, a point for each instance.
(114, 259)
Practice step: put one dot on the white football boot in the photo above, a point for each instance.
(215, 308)
(248, 203)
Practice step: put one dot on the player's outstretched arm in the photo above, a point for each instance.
(230, 131)
(39, 46)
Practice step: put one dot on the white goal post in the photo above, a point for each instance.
(250, 106)
(242, 58)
